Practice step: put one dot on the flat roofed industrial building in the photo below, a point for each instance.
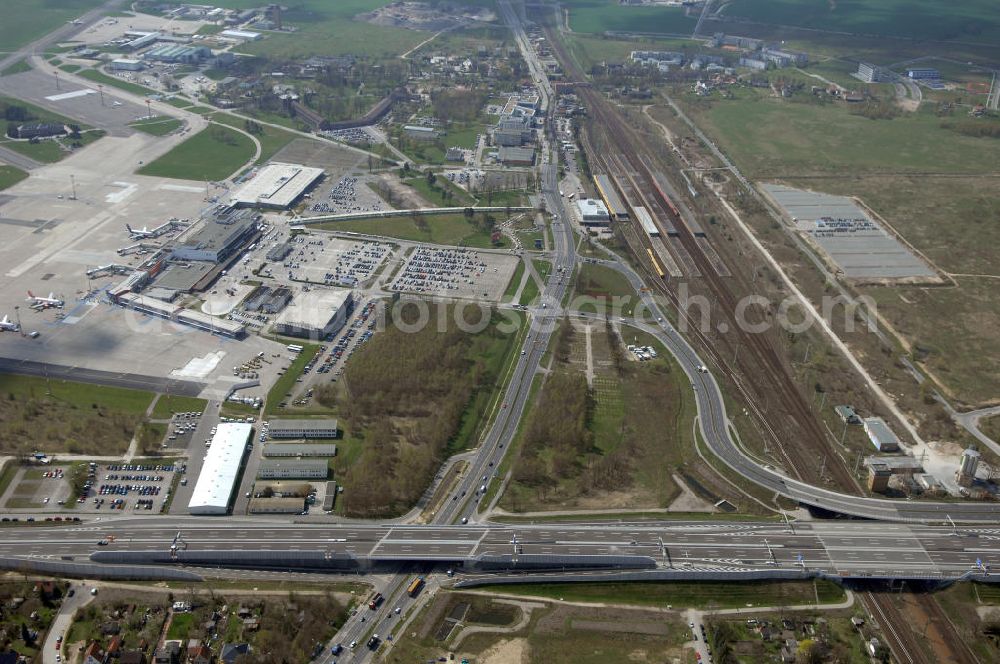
(606, 189)
(220, 473)
(216, 237)
(326, 428)
(294, 450)
(881, 435)
(277, 186)
(316, 314)
(593, 212)
(288, 469)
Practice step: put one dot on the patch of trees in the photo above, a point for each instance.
(408, 393)
(558, 427)
(33, 423)
(974, 128)
(875, 109)
(291, 629)
(457, 105)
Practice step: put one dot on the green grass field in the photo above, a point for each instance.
(157, 126)
(114, 81)
(608, 16)
(515, 281)
(168, 404)
(771, 137)
(451, 229)
(271, 139)
(9, 176)
(286, 382)
(214, 153)
(605, 284)
(329, 28)
(27, 20)
(969, 20)
(16, 68)
(703, 595)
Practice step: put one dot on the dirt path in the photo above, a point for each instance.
(526, 609)
(134, 443)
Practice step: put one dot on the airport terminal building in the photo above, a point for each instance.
(220, 474)
(218, 237)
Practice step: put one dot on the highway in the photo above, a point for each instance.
(845, 549)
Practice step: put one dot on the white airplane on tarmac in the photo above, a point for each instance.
(44, 302)
(6, 325)
(146, 232)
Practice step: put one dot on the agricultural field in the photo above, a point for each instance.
(596, 16)
(969, 21)
(214, 153)
(450, 229)
(326, 28)
(27, 20)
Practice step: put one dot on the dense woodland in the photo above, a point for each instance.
(407, 395)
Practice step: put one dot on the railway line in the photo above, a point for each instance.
(800, 437)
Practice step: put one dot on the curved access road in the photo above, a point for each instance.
(714, 425)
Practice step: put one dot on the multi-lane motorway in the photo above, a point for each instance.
(847, 549)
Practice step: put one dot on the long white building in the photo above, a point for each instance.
(220, 474)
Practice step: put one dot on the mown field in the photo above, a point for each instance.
(214, 153)
(9, 176)
(27, 20)
(969, 20)
(451, 229)
(772, 137)
(329, 28)
(607, 15)
(157, 126)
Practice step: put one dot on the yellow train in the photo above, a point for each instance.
(656, 264)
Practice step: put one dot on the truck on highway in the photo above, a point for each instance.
(374, 602)
(414, 589)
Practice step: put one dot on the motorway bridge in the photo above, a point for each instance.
(835, 549)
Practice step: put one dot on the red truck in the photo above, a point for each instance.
(374, 602)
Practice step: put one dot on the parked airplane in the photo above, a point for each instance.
(44, 302)
(7, 326)
(146, 232)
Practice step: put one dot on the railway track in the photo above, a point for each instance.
(908, 638)
(762, 369)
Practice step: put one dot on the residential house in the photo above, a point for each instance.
(230, 651)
